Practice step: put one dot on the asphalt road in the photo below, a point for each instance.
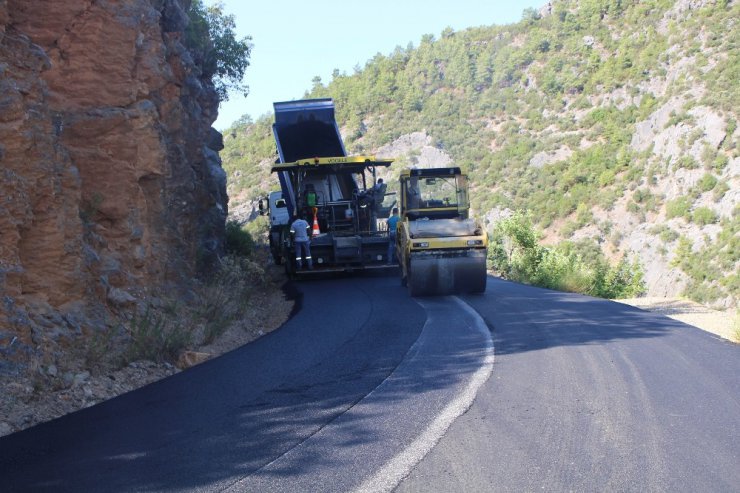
(365, 387)
(592, 395)
(322, 404)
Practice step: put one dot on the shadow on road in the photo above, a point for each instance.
(230, 417)
(525, 318)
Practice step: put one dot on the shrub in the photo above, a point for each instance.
(161, 334)
(720, 162)
(687, 162)
(633, 207)
(712, 268)
(641, 195)
(683, 254)
(702, 292)
(258, 229)
(606, 227)
(678, 207)
(666, 234)
(153, 336)
(588, 251)
(646, 199)
(708, 154)
(238, 240)
(676, 118)
(103, 348)
(514, 246)
(584, 215)
(624, 280)
(720, 190)
(703, 216)
(730, 130)
(579, 267)
(707, 182)
(223, 299)
(567, 230)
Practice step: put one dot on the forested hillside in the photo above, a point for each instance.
(614, 123)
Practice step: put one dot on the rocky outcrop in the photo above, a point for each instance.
(111, 183)
(418, 148)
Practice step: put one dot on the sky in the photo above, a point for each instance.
(295, 41)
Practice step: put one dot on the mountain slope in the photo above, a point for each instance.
(613, 122)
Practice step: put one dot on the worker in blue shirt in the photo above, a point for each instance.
(392, 224)
(302, 242)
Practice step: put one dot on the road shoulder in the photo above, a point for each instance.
(725, 324)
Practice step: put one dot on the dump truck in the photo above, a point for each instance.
(339, 195)
(441, 250)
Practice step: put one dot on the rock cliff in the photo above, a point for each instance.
(110, 183)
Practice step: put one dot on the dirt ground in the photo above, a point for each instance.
(725, 324)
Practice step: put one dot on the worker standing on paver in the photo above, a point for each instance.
(392, 224)
(299, 229)
(377, 194)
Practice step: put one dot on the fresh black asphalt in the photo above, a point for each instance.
(592, 395)
(585, 395)
(220, 421)
(318, 405)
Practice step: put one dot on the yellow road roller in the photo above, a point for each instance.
(440, 249)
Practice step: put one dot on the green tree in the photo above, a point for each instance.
(215, 48)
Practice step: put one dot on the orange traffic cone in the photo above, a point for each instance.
(316, 231)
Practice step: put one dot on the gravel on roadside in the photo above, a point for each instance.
(725, 324)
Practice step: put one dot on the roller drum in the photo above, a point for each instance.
(442, 273)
